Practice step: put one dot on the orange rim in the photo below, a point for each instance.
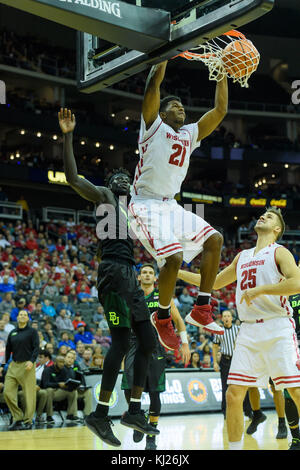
(190, 55)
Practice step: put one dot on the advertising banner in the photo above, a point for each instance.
(256, 202)
(187, 391)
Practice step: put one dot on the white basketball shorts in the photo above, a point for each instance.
(166, 228)
(263, 350)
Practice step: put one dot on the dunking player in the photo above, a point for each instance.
(168, 232)
(119, 292)
(266, 347)
(156, 378)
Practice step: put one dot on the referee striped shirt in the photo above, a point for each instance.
(227, 340)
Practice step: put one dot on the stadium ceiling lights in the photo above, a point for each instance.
(53, 137)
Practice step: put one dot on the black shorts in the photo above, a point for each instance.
(120, 294)
(156, 377)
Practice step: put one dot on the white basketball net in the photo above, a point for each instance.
(219, 63)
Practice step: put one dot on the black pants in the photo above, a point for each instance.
(225, 363)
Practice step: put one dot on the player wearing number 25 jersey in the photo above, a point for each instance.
(168, 232)
(258, 270)
(266, 345)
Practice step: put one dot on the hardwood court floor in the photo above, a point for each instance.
(182, 432)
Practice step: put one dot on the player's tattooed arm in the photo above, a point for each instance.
(151, 101)
(211, 120)
(82, 186)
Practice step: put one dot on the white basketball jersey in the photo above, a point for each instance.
(258, 270)
(164, 158)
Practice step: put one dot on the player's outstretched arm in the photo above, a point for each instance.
(180, 327)
(225, 277)
(151, 101)
(189, 278)
(82, 186)
(288, 286)
(210, 121)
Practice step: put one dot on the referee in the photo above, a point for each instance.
(23, 345)
(225, 344)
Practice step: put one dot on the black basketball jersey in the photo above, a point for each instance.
(295, 304)
(113, 232)
(152, 300)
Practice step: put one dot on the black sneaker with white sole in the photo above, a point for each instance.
(139, 422)
(102, 428)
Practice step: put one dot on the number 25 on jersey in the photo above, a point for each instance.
(248, 279)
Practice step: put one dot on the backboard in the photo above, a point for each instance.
(101, 63)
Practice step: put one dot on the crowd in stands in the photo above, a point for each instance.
(51, 271)
(32, 53)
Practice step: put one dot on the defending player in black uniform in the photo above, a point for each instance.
(156, 378)
(118, 288)
(291, 411)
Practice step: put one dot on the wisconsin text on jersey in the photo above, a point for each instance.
(186, 143)
(258, 262)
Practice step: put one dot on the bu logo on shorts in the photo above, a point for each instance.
(113, 318)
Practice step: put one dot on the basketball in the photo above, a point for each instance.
(240, 58)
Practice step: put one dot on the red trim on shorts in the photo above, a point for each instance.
(144, 228)
(242, 375)
(206, 227)
(287, 377)
(168, 251)
(143, 141)
(287, 383)
(295, 338)
(167, 246)
(203, 235)
(237, 379)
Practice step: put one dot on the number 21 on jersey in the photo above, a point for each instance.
(248, 279)
(177, 157)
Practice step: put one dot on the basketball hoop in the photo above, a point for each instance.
(231, 55)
